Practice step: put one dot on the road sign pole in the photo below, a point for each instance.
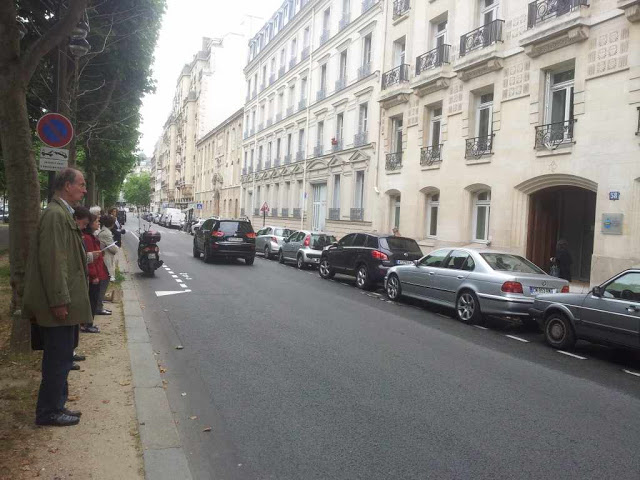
(264, 218)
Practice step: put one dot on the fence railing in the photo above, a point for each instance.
(430, 155)
(356, 214)
(542, 10)
(552, 135)
(395, 76)
(334, 214)
(481, 37)
(433, 58)
(479, 146)
(400, 7)
(360, 139)
(394, 161)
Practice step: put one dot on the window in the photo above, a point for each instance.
(484, 115)
(488, 11)
(482, 210)
(433, 205)
(434, 259)
(625, 287)
(289, 143)
(456, 260)
(359, 190)
(559, 104)
(326, 20)
(399, 52)
(303, 88)
(347, 240)
(346, 8)
(505, 262)
(323, 77)
(264, 75)
(396, 132)
(273, 66)
(435, 126)
(342, 66)
(301, 140)
(276, 195)
(300, 193)
(305, 37)
(294, 49)
(252, 156)
(336, 191)
(372, 242)
(366, 50)
(283, 58)
(360, 240)
(363, 118)
(280, 102)
(292, 95)
(439, 34)
(339, 127)
(396, 211)
(278, 145)
(320, 133)
(287, 194)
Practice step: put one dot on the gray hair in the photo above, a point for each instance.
(96, 210)
(68, 175)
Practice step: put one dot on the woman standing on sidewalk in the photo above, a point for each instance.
(110, 249)
(97, 270)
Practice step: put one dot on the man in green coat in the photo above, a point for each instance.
(56, 295)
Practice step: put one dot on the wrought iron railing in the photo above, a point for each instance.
(394, 161)
(356, 214)
(433, 58)
(341, 83)
(284, 212)
(256, 212)
(324, 37)
(274, 212)
(287, 159)
(397, 75)
(364, 70)
(302, 104)
(305, 53)
(367, 4)
(479, 146)
(334, 214)
(289, 111)
(430, 155)
(322, 93)
(552, 135)
(542, 10)
(299, 155)
(400, 7)
(296, 212)
(336, 144)
(317, 151)
(360, 138)
(481, 37)
(344, 21)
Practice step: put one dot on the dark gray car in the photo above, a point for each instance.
(608, 314)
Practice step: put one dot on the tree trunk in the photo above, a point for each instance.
(23, 188)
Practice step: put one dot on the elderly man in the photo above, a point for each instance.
(56, 295)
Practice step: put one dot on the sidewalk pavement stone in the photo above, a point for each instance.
(166, 463)
(157, 429)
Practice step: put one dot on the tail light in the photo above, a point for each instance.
(565, 289)
(307, 241)
(217, 234)
(250, 235)
(378, 255)
(512, 287)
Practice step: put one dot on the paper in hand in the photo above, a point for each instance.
(108, 246)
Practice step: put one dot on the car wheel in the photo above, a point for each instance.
(300, 262)
(249, 260)
(267, 252)
(196, 252)
(363, 281)
(280, 257)
(468, 307)
(207, 254)
(325, 269)
(558, 331)
(394, 290)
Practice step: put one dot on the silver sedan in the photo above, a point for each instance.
(474, 282)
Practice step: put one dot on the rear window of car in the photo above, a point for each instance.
(319, 241)
(282, 232)
(231, 228)
(505, 262)
(400, 244)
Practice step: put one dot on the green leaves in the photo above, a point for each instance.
(137, 190)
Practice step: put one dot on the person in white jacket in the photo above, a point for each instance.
(110, 250)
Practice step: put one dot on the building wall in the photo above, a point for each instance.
(601, 154)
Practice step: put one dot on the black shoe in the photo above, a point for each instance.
(58, 420)
(103, 312)
(71, 413)
(91, 328)
(75, 366)
(78, 358)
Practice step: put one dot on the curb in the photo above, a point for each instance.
(164, 457)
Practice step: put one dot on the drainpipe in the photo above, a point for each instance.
(306, 129)
(384, 25)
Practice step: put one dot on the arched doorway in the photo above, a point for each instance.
(562, 212)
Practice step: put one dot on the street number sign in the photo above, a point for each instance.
(54, 130)
(54, 159)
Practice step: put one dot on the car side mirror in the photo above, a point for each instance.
(335, 244)
(416, 263)
(597, 291)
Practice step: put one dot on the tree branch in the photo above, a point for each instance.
(51, 38)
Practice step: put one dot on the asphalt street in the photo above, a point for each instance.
(303, 378)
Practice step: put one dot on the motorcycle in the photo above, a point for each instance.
(149, 252)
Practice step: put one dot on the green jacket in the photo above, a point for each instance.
(57, 270)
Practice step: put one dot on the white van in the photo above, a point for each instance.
(173, 218)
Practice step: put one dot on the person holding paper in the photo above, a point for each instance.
(97, 270)
(109, 249)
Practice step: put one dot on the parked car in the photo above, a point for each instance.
(269, 239)
(474, 282)
(196, 225)
(367, 256)
(156, 217)
(608, 314)
(173, 218)
(304, 247)
(225, 238)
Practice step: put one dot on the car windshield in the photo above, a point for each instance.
(400, 244)
(231, 228)
(319, 241)
(505, 262)
(282, 232)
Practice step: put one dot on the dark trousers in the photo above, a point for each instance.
(104, 284)
(58, 343)
(94, 295)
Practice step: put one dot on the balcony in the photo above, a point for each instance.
(431, 155)
(360, 139)
(289, 111)
(367, 4)
(478, 147)
(299, 155)
(305, 53)
(393, 161)
(317, 151)
(296, 212)
(322, 93)
(356, 214)
(302, 104)
(542, 10)
(334, 214)
(400, 7)
(364, 70)
(396, 76)
(287, 159)
(433, 58)
(274, 212)
(256, 212)
(324, 37)
(281, 71)
(336, 144)
(284, 212)
(481, 37)
(344, 21)
(341, 83)
(292, 62)
(552, 135)
(278, 117)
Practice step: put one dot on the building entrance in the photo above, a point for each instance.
(566, 213)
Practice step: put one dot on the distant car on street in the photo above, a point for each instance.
(270, 238)
(608, 314)
(304, 247)
(474, 282)
(367, 256)
(219, 238)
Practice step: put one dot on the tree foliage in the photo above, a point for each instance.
(137, 190)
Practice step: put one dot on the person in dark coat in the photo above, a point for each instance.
(563, 259)
(117, 229)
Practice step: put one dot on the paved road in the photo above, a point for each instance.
(302, 378)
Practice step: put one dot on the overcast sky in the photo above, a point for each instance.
(183, 26)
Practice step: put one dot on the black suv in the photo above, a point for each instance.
(367, 256)
(225, 238)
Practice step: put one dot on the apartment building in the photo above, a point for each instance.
(217, 181)
(514, 124)
(311, 115)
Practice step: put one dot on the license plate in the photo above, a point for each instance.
(539, 290)
(315, 260)
(403, 262)
(151, 256)
(233, 239)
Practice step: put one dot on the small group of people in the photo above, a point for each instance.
(71, 262)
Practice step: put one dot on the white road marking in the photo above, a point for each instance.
(481, 327)
(174, 292)
(637, 374)
(135, 236)
(517, 338)
(571, 354)
(170, 272)
(182, 285)
(174, 276)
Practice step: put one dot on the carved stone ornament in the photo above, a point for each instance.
(482, 69)
(570, 37)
